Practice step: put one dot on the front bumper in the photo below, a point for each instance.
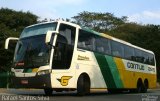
(39, 82)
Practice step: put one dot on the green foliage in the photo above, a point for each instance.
(101, 22)
(11, 25)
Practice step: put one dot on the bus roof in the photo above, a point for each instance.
(96, 33)
(58, 21)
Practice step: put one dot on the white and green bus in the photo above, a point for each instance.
(61, 56)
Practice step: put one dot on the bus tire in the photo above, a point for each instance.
(48, 91)
(145, 86)
(140, 86)
(83, 85)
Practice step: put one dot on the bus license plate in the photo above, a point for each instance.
(24, 81)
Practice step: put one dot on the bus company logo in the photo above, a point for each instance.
(64, 80)
(135, 66)
(83, 58)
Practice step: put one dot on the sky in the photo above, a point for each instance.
(140, 11)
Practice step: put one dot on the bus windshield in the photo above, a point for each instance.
(38, 29)
(31, 50)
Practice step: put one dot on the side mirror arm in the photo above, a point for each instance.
(50, 37)
(7, 41)
(51, 45)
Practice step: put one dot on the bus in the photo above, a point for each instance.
(63, 56)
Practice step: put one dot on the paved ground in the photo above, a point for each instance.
(38, 95)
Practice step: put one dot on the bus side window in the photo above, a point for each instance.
(129, 53)
(117, 49)
(100, 49)
(82, 44)
(151, 59)
(103, 45)
(138, 56)
(146, 57)
(86, 40)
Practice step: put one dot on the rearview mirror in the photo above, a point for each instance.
(10, 39)
(49, 36)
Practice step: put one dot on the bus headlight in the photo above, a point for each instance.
(43, 72)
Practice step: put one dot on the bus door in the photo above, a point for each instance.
(63, 53)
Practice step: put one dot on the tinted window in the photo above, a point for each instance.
(68, 32)
(38, 29)
(117, 49)
(138, 56)
(86, 40)
(129, 52)
(102, 45)
(146, 57)
(32, 52)
(151, 59)
(64, 47)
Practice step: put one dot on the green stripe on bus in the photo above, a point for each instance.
(114, 71)
(106, 71)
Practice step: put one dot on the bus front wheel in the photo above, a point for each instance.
(83, 85)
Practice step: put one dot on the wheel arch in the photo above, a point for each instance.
(86, 76)
(139, 82)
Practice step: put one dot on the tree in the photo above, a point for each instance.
(11, 24)
(100, 22)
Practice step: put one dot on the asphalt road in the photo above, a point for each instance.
(38, 95)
